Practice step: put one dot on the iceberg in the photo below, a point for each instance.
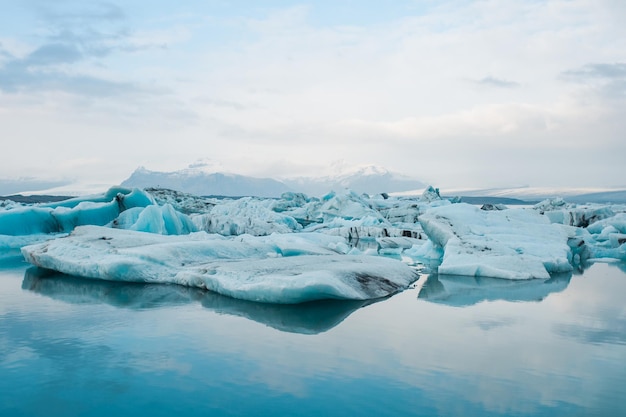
(512, 244)
(360, 217)
(184, 202)
(296, 249)
(245, 216)
(164, 220)
(559, 211)
(64, 216)
(616, 223)
(284, 269)
(608, 237)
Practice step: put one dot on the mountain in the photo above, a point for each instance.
(197, 181)
(368, 179)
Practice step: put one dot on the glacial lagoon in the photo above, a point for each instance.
(447, 346)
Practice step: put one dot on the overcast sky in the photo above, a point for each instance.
(455, 93)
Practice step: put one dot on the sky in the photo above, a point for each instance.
(454, 93)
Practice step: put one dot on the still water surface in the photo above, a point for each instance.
(450, 346)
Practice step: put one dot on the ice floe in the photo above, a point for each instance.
(513, 244)
(559, 211)
(286, 269)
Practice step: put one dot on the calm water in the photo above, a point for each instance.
(456, 347)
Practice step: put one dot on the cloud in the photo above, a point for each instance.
(4, 53)
(598, 71)
(42, 70)
(101, 11)
(608, 79)
(51, 54)
(77, 36)
(497, 82)
(285, 84)
(480, 122)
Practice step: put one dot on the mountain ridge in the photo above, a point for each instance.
(369, 179)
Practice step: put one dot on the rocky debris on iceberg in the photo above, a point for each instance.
(281, 269)
(357, 217)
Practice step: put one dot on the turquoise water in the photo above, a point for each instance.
(449, 346)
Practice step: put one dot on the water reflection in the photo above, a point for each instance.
(461, 291)
(560, 357)
(306, 318)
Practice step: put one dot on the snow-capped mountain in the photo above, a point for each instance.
(196, 179)
(199, 182)
(369, 179)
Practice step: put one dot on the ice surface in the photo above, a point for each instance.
(9, 205)
(163, 220)
(617, 223)
(513, 244)
(607, 238)
(246, 216)
(64, 216)
(285, 269)
(357, 217)
(559, 211)
(126, 197)
(184, 202)
(298, 248)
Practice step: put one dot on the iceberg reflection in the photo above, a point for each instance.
(306, 318)
(462, 291)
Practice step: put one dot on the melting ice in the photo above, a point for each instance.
(296, 248)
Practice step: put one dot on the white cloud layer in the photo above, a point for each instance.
(458, 93)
